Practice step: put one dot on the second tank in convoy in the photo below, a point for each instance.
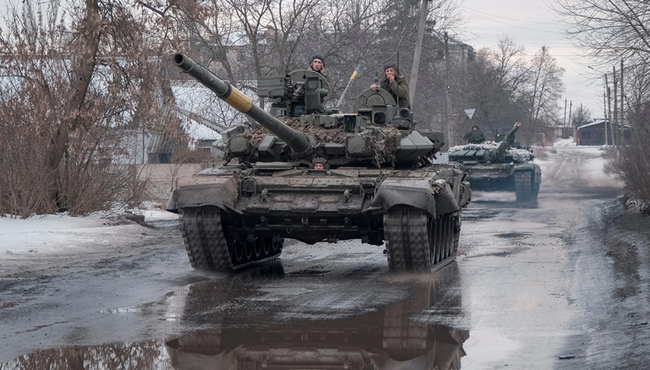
(500, 166)
(313, 174)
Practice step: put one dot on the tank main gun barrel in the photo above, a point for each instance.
(297, 141)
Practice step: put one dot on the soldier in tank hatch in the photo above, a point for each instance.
(317, 64)
(395, 83)
(475, 136)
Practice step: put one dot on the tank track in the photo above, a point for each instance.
(417, 242)
(525, 189)
(209, 248)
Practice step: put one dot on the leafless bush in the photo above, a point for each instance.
(72, 86)
(632, 164)
(85, 184)
(24, 180)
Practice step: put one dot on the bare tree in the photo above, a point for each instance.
(74, 83)
(581, 116)
(546, 87)
(609, 29)
(512, 70)
(613, 32)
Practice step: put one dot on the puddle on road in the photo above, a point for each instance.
(513, 235)
(227, 335)
(477, 213)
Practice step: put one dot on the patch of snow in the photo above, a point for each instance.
(564, 142)
(56, 233)
(197, 131)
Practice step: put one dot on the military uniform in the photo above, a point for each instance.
(500, 153)
(474, 137)
(399, 89)
(322, 71)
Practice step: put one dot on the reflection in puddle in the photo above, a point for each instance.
(229, 335)
(384, 339)
(143, 355)
(513, 235)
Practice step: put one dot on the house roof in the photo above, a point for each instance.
(594, 123)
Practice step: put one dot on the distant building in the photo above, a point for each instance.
(594, 133)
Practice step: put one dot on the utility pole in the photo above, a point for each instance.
(570, 106)
(418, 51)
(615, 123)
(448, 92)
(622, 132)
(609, 103)
(564, 125)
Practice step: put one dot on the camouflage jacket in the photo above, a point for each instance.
(322, 71)
(474, 137)
(399, 89)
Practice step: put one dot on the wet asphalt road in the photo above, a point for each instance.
(532, 288)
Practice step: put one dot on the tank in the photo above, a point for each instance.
(500, 166)
(314, 174)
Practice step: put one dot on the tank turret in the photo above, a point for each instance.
(492, 152)
(314, 174)
(378, 132)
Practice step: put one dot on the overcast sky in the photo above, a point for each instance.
(533, 24)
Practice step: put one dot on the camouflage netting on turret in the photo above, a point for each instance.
(518, 155)
(383, 141)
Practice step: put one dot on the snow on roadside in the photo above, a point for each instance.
(62, 232)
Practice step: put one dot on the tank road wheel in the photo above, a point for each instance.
(267, 246)
(259, 247)
(237, 251)
(276, 245)
(525, 188)
(248, 250)
(204, 239)
(417, 242)
(256, 252)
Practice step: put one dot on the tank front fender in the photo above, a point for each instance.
(435, 200)
(533, 168)
(197, 191)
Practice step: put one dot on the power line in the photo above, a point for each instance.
(502, 17)
(527, 28)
